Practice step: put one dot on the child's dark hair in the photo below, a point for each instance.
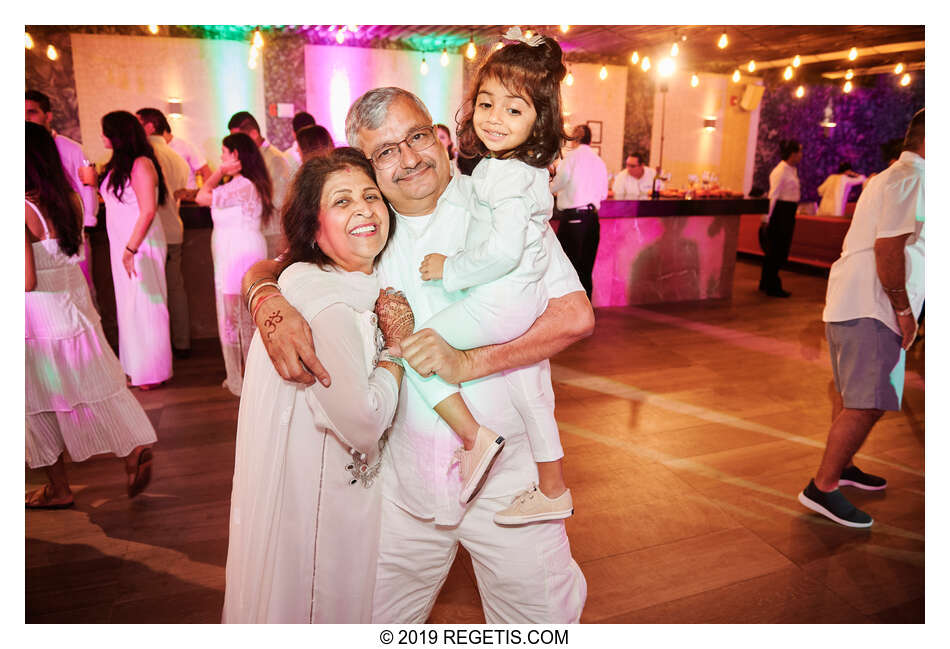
(537, 72)
(301, 213)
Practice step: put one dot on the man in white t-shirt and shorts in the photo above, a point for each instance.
(875, 293)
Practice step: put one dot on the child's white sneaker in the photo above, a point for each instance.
(531, 506)
(474, 464)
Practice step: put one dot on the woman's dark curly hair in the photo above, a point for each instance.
(301, 210)
(48, 188)
(536, 72)
(254, 169)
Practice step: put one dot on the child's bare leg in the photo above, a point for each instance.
(456, 414)
(551, 478)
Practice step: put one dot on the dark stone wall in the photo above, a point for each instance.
(638, 121)
(877, 110)
(284, 82)
(56, 80)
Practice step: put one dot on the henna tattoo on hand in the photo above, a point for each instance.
(271, 323)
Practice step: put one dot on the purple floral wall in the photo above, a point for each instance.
(876, 111)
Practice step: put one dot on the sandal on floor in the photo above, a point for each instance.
(142, 475)
(43, 501)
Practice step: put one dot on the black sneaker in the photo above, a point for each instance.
(833, 505)
(855, 477)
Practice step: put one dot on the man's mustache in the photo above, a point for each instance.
(406, 172)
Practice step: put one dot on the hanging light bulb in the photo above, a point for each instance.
(797, 61)
(849, 74)
(675, 50)
(751, 66)
(723, 41)
(444, 59)
(153, 29)
(51, 52)
(905, 80)
(847, 86)
(528, 33)
(259, 39)
(853, 54)
(564, 28)
(470, 51)
(788, 72)
(800, 91)
(898, 68)
(635, 58)
(694, 81)
(603, 72)
(666, 68)
(645, 64)
(424, 68)
(736, 76)
(569, 79)
(340, 35)
(29, 41)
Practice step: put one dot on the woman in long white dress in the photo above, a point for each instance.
(305, 503)
(239, 209)
(76, 397)
(132, 188)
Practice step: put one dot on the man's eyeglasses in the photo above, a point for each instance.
(387, 155)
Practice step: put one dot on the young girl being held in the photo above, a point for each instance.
(511, 117)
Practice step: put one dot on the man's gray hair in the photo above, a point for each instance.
(371, 109)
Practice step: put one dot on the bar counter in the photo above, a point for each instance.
(668, 249)
(651, 251)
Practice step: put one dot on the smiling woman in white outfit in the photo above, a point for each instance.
(306, 499)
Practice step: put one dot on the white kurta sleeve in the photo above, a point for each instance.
(499, 253)
(359, 404)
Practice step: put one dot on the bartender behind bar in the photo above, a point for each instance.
(580, 184)
(635, 181)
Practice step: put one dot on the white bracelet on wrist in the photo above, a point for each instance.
(386, 356)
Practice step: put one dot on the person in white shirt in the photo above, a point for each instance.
(784, 194)
(875, 293)
(39, 111)
(175, 170)
(580, 184)
(280, 170)
(835, 190)
(524, 573)
(635, 180)
(293, 153)
(197, 165)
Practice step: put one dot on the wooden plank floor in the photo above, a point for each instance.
(689, 430)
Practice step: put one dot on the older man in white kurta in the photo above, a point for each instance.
(525, 573)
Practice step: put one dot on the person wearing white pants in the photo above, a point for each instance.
(524, 574)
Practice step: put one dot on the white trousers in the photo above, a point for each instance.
(525, 574)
